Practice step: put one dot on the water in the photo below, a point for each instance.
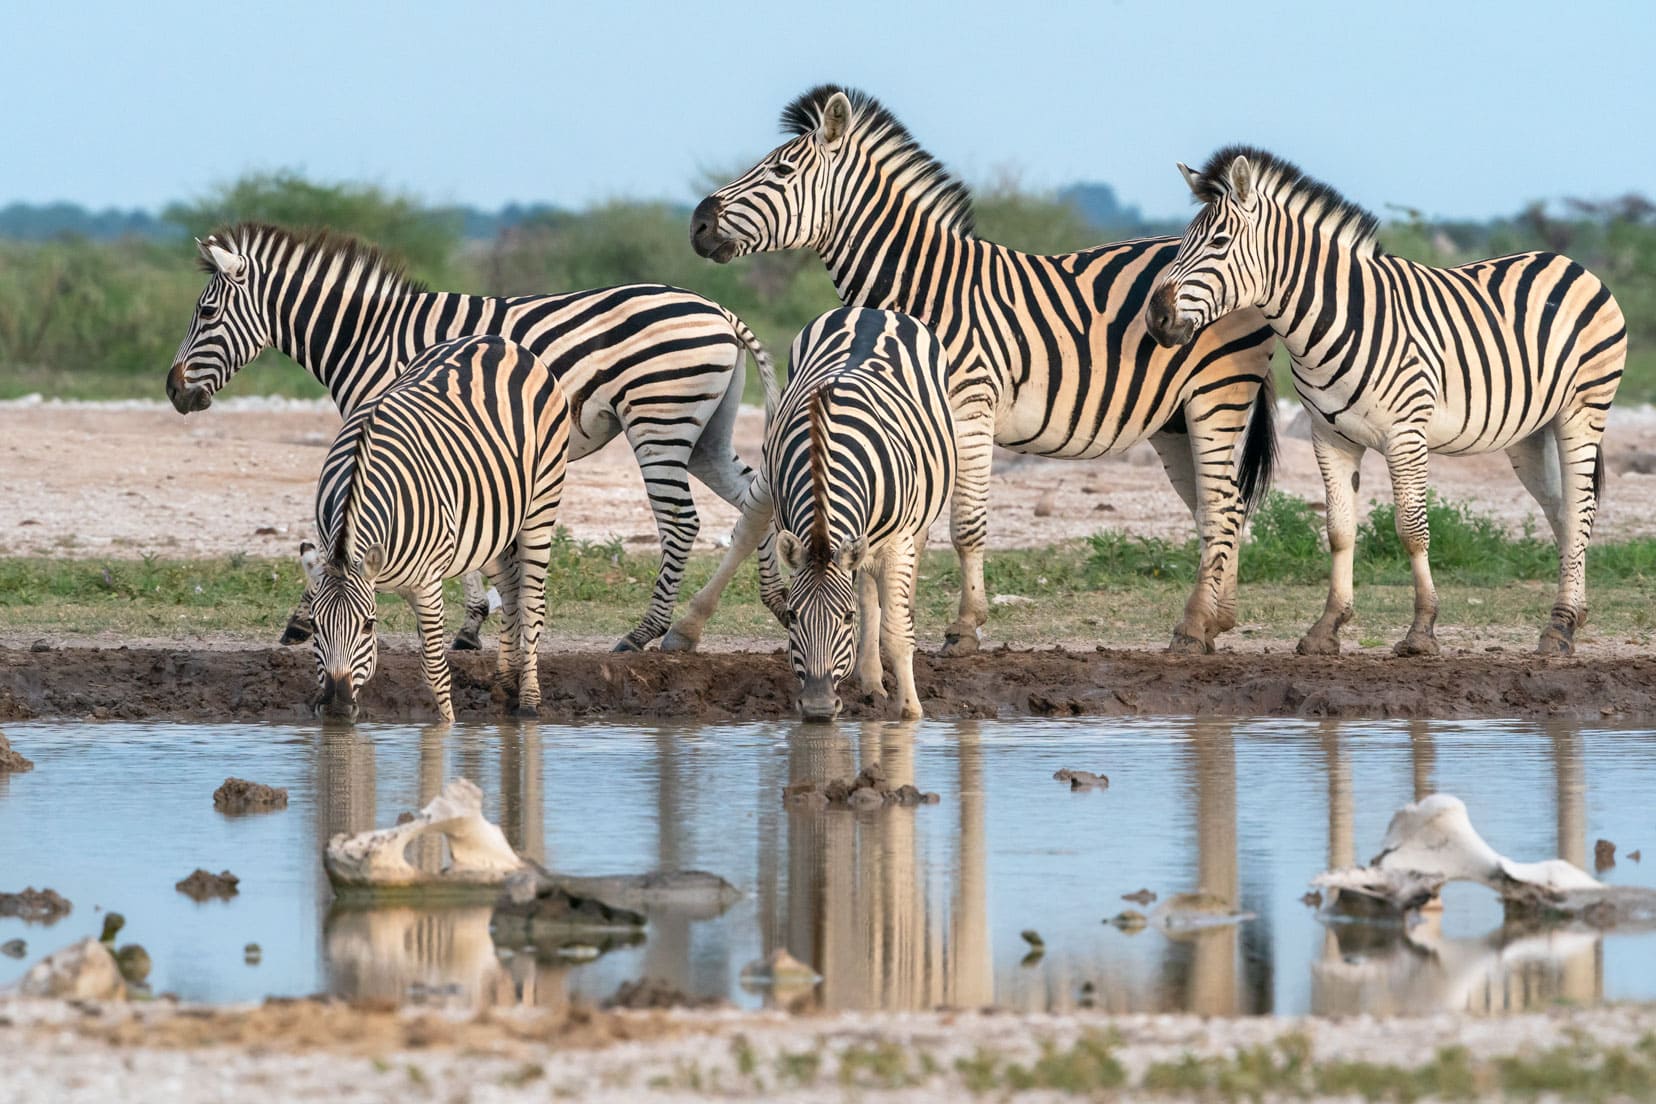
(898, 909)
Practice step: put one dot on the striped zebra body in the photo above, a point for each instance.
(1521, 353)
(1048, 354)
(662, 365)
(859, 461)
(457, 466)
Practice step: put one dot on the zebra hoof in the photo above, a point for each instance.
(1185, 644)
(526, 712)
(626, 646)
(297, 632)
(467, 640)
(1416, 644)
(1556, 640)
(1325, 644)
(676, 641)
(956, 645)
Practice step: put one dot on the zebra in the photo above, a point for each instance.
(662, 365)
(858, 463)
(1048, 354)
(458, 465)
(1521, 353)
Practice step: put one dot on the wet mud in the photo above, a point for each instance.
(274, 684)
(36, 906)
(204, 885)
(238, 795)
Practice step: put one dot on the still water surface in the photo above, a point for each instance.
(897, 909)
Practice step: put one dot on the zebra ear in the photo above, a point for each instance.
(836, 119)
(232, 265)
(1192, 179)
(791, 548)
(373, 560)
(1241, 176)
(310, 561)
(851, 554)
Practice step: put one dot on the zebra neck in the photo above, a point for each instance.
(895, 255)
(342, 336)
(1307, 300)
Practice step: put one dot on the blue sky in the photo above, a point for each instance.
(1461, 109)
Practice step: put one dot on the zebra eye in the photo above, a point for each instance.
(850, 616)
(368, 627)
(782, 170)
(208, 311)
(1221, 240)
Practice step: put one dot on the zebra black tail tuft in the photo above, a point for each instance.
(1259, 450)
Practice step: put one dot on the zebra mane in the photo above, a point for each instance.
(318, 246)
(350, 493)
(894, 144)
(818, 547)
(1283, 179)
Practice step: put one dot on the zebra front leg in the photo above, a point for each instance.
(534, 552)
(1338, 461)
(504, 570)
(300, 626)
(668, 485)
(896, 583)
(869, 674)
(969, 530)
(1581, 465)
(753, 530)
(427, 603)
(1406, 461)
(475, 590)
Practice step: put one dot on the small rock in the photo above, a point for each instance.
(1604, 854)
(653, 993)
(134, 963)
(866, 799)
(1082, 780)
(252, 954)
(1104, 508)
(203, 886)
(1046, 503)
(779, 969)
(1634, 856)
(1142, 897)
(41, 645)
(10, 761)
(1032, 937)
(405, 817)
(14, 948)
(238, 795)
(80, 971)
(266, 531)
(869, 790)
(1313, 899)
(1129, 920)
(1089, 488)
(35, 906)
(1011, 600)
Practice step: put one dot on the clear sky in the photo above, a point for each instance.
(1461, 109)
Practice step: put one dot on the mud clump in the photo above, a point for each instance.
(203, 886)
(1604, 855)
(1082, 780)
(10, 761)
(1141, 898)
(1129, 921)
(14, 948)
(653, 993)
(869, 790)
(36, 906)
(238, 795)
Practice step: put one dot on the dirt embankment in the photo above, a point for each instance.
(274, 684)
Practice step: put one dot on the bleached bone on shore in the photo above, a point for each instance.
(1433, 842)
(480, 857)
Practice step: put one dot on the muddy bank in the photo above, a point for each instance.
(273, 684)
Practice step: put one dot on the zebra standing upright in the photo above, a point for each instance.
(662, 365)
(1048, 354)
(458, 465)
(1522, 353)
(859, 461)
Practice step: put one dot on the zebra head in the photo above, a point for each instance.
(785, 201)
(1220, 265)
(227, 330)
(822, 618)
(342, 607)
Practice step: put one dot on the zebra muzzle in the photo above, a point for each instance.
(818, 701)
(184, 398)
(337, 700)
(1161, 318)
(705, 237)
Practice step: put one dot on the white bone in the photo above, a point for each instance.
(480, 856)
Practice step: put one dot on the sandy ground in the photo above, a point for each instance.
(275, 683)
(307, 1051)
(130, 479)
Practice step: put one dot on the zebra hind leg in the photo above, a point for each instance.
(896, 599)
(504, 570)
(753, 531)
(534, 550)
(1581, 464)
(1338, 462)
(1194, 634)
(969, 529)
(427, 601)
(470, 636)
(870, 675)
(667, 481)
(1406, 461)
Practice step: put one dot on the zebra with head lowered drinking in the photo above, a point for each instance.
(661, 365)
(859, 461)
(1047, 354)
(1522, 353)
(458, 465)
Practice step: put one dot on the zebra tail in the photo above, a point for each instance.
(767, 367)
(1259, 450)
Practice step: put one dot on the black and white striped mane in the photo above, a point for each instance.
(1283, 179)
(819, 546)
(319, 248)
(949, 197)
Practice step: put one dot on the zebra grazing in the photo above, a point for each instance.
(1048, 354)
(859, 462)
(458, 465)
(1522, 353)
(661, 365)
